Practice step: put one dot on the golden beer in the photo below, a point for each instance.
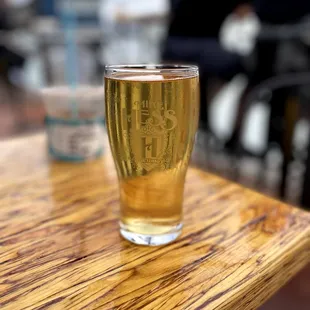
(152, 117)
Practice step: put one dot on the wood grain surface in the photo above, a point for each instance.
(60, 247)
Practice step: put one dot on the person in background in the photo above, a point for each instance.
(9, 58)
(281, 11)
(271, 13)
(193, 37)
(20, 109)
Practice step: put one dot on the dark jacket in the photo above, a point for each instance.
(199, 18)
(281, 11)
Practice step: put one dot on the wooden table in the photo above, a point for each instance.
(60, 247)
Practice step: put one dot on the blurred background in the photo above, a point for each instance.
(254, 66)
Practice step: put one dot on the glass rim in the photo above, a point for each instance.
(153, 68)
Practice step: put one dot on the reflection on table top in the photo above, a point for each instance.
(60, 247)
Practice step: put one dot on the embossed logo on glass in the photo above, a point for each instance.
(150, 127)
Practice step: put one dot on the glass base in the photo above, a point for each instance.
(151, 240)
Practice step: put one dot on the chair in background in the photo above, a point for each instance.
(277, 72)
(286, 90)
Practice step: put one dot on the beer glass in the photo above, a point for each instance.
(152, 114)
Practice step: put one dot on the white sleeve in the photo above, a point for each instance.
(142, 8)
(108, 10)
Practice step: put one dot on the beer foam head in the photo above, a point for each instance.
(145, 77)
